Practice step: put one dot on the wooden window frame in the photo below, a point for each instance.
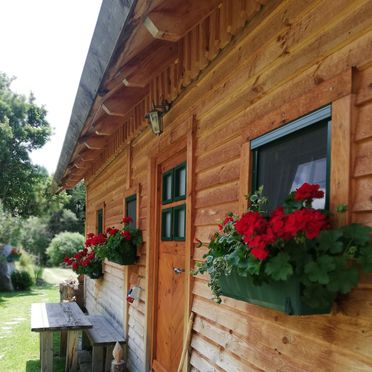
(324, 115)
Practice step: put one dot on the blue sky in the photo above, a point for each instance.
(44, 44)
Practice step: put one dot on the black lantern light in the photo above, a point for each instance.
(154, 117)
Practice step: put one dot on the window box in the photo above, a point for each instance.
(283, 296)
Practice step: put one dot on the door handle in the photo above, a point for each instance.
(178, 270)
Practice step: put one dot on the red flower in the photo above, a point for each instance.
(277, 224)
(70, 261)
(127, 220)
(111, 230)
(75, 266)
(77, 255)
(308, 191)
(251, 223)
(126, 235)
(90, 235)
(260, 254)
(307, 220)
(66, 259)
(85, 251)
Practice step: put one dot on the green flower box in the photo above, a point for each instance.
(125, 255)
(283, 296)
(96, 274)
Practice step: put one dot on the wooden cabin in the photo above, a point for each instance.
(232, 71)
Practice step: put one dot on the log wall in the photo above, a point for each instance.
(291, 58)
(105, 296)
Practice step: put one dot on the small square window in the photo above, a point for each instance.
(166, 224)
(180, 182)
(179, 222)
(131, 209)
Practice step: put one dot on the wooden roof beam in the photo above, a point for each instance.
(106, 128)
(93, 143)
(158, 33)
(111, 113)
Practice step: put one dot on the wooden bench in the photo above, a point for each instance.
(103, 337)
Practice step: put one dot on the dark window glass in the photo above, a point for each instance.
(167, 217)
(131, 209)
(179, 216)
(180, 182)
(168, 187)
(286, 163)
(100, 221)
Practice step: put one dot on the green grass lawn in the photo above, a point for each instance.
(19, 347)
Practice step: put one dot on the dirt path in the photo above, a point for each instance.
(57, 275)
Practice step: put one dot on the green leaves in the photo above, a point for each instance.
(318, 271)
(365, 258)
(279, 267)
(328, 241)
(343, 280)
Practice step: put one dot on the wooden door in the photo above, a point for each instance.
(170, 293)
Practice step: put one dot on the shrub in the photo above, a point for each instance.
(64, 244)
(22, 280)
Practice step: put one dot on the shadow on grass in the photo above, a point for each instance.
(33, 366)
(32, 292)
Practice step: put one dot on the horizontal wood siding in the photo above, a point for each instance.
(106, 296)
(291, 58)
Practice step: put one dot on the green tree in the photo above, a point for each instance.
(64, 244)
(63, 220)
(35, 237)
(10, 228)
(23, 128)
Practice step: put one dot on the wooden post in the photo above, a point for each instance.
(97, 358)
(118, 363)
(71, 353)
(46, 351)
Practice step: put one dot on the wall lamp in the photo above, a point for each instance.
(155, 116)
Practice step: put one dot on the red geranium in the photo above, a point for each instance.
(111, 230)
(277, 223)
(127, 220)
(307, 220)
(308, 191)
(250, 224)
(75, 266)
(126, 235)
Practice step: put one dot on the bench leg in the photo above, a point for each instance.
(46, 351)
(71, 352)
(97, 358)
(108, 358)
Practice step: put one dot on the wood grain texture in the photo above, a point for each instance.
(103, 333)
(282, 64)
(57, 317)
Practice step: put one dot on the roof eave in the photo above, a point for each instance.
(113, 17)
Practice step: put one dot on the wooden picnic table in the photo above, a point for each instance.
(47, 318)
